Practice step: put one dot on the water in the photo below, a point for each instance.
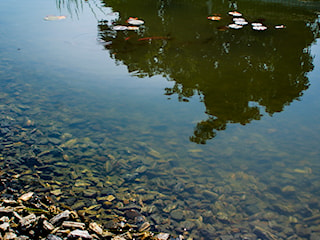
(201, 117)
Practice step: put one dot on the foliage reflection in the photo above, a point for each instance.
(238, 74)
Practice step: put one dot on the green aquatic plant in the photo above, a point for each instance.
(36, 210)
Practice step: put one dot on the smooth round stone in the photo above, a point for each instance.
(177, 214)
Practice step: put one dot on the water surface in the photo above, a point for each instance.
(221, 124)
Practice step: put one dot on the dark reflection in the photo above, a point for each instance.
(238, 74)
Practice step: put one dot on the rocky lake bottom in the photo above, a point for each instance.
(105, 178)
(93, 147)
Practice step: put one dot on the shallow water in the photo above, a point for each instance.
(225, 121)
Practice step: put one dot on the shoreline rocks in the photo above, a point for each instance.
(32, 216)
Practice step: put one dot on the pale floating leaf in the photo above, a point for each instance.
(54, 18)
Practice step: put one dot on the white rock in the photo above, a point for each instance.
(26, 196)
(79, 234)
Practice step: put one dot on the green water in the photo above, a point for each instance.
(221, 121)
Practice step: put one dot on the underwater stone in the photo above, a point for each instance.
(302, 230)
(162, 236)
(48, 226)
(78, 205)
(177, 214)
(9, 235)
(69, 224)
(144, 227)
(4, 226)
(53, 237)
(89, 193)
(26, 196)
(83, 234)
(96, 228)
(28, 220)
(62, 216)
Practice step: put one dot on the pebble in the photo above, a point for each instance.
(288, 189)
(9, 235)
(83, 234)
(177, 214)
(162, 236)
(53, 237)
(302, 230)
(26, 196)
(315, 236)
(89, 193)
(60, 217)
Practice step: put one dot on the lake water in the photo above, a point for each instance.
(214, 132)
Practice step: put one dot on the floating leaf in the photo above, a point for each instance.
(214, 18)
(235, 26)
(235, 14)
(280, 26)
(119, 28)
(133, 28)
(135, 21)
(240, 21)
(54, 18)
(256, 24)
(259, 28)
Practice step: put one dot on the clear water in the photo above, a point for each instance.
(235, 112)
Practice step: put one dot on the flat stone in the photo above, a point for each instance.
(263, 233)
(56, 192)
(226, 237)
(78, 205)
(9, 235)
(53, 237)
(312, 218)
(288, 189)
(177, 214)
(96, 228)
(4, 226)
(210, 194)
(55, 141)
(6, 210)
(302, 231)
(162, 236)
(48, 226)
(26, 196)
(28, 220)
(248, 236)
(84, 234)
(89, 192)
(23, 237)
(70, 224)
(60, 217)
(315, 236)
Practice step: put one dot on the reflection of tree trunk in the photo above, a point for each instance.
(210, 8)
(73, 6)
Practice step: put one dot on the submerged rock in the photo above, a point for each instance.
(177, 214)
(83, 234)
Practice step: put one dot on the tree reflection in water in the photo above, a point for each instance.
(239, 74)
